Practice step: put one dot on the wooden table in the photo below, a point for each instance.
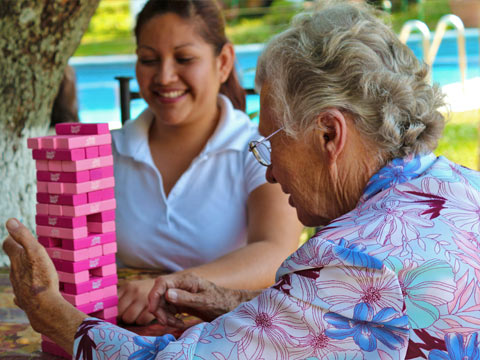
(19, 341)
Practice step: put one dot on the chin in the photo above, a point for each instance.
(312, 220)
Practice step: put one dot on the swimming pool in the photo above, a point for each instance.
(98, 90)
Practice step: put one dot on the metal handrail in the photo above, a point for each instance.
(437, 39)
(424, 30)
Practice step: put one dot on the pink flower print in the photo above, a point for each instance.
(393, 222)
(343, 288)
(463, 209)
(266, 327)
(317, 344)
(425, 287)
(301, 286)
(315, 253)
(469, 245)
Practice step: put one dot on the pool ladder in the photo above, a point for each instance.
(430, 51)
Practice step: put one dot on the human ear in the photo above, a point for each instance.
(333, 129)
(225, 61)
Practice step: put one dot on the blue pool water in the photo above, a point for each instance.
(98, 90)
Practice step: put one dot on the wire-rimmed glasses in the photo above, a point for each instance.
(261, 149)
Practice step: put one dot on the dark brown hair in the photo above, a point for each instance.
(212, 29)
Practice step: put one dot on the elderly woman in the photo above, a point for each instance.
(352, 121)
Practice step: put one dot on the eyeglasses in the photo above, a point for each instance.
(261, 149)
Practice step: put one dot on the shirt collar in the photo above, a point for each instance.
(132, 139)
(396, 172)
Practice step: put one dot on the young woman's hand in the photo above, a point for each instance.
(133, 302)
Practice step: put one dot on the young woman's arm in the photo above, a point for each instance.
(273, 234)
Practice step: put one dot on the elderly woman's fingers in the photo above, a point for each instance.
(21, 234)
(11, 247)
(155, 297)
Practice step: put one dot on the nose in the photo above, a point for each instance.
(269, 175)
(166, 73)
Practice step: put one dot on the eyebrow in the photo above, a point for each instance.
(175, 48)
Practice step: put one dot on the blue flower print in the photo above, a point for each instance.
(396, 172)
(354, 255)
(457, 349)
(150, 350)
(366, 327)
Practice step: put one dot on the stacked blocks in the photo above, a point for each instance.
(76, 216)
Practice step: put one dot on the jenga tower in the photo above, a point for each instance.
(76, 217)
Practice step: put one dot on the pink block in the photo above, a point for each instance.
(110, 291)
(42, 209)
(34, 143)
(80, 299)
(110, 248)
(88, 209)
(54, 349)
(98, 305)
(61, 221)
(65, 177)
(56, 188)
(50, 154)
(87, 164)
(80, 188)
(74, 278)
(54, 165)
(111, 320)
(41, 165)
(69, 266)
(109, 312)
(75, 255)
(70, 255)
(100, 195)
(101, 217)
(55, 210)
(49, 242)
(91, 240)
(101, 227)
(49, 142)
(68, 199)
(81, 129)
(105, 150)
(93, 284)
(96, 174)
(42, 186)
(105, 270)
(97, 295)
(63, 233)
(108, 194)
(100, 173)
(73, 142)
(95, 196)
(91, 152)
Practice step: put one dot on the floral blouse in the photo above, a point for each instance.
(398, 277)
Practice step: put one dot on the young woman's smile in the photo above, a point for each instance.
(178, 72)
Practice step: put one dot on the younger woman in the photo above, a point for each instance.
(190, 196)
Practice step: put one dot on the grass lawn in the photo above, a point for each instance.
(460, 139)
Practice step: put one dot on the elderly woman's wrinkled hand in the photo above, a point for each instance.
(188, 293)
(32, 273)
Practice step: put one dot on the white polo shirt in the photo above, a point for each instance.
(205, 213)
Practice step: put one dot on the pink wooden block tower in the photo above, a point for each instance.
(76, 216)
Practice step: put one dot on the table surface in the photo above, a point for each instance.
(19, 341)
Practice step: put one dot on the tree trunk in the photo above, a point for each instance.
(37, 37)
